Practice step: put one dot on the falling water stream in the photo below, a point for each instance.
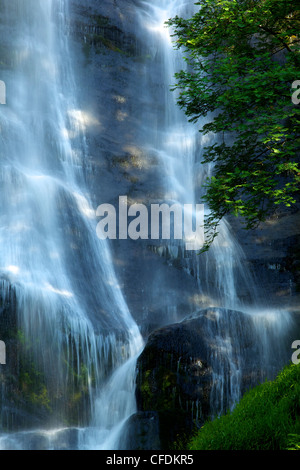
(222, 274)
(61, 273)
(62, 276)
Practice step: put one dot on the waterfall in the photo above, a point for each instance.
(179, 147)
(58, 276)
(222, 275)
(77, 342)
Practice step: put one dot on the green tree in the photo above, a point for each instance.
(243, 58)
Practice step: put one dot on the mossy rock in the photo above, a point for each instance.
(176, 370)
(32, 396)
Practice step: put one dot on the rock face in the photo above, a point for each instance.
(192, 370)
(142, 432)
(120, 93)
(273, 255)
(28, 398)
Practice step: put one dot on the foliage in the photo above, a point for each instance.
(266, 418)
(243, 57)
(294, 442)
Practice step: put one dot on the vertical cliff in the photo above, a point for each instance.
(113, 58)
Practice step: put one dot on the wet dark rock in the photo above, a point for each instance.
(186, 368)
(273, 255)
(142, 432)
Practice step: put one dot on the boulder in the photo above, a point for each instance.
(142, 432)
(191, 371)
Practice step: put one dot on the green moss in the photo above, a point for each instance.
(164, 398)
(33, 387)
(41, 398)
(266, 418)
(34, 392)
(99, 40)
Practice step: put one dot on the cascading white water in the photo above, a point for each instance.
(179, 147)
(70, 310)
(222, 274)
(69, 306)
